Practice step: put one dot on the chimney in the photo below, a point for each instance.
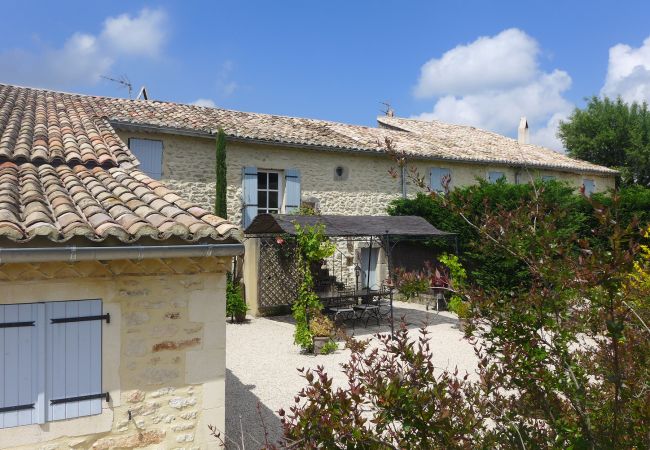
(522, 134)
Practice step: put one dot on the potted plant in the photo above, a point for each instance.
(322, 330)
(461, 308)
(236, 306)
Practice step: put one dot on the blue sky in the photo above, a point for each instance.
(484, 63)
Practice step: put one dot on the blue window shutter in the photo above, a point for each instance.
(249, 195)
(292, 190)
(149, 152)
(21, 367)
(590, 187)
(74, 352)
(437, 175)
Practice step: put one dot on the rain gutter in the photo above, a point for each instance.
(137, 252)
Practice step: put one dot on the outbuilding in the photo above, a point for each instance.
(112, 291)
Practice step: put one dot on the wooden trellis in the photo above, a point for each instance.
(278, 275)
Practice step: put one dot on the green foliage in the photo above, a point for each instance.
(306, 210)
(611, 133)
(312, 247)
(321, 326)
(235, 302)
(564, 357)
(329, 347)
(496, 269)
(458, 281)
(458, 306)
(220, 206)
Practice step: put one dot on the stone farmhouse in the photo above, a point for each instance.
(112, 312)
(276, 163)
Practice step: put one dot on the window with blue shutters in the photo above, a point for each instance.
(438, 177)
(150, 153)
(51, 367)
(269, 192)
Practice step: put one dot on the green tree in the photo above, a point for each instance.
(220, 207)
(611, 133)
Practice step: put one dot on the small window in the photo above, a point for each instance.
(546, 178)
(589, 186)
(269, 192)
(495, 176)
(440, 177)
(51, 365)
(149, 152)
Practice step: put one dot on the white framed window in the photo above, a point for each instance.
(494, 176)
(269, 192)
(51, 367)
(150, 153)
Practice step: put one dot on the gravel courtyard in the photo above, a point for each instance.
(261, 362)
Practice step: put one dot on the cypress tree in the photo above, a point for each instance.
(220, 208)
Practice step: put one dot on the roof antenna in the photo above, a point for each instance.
(390, 112)
(123, 80)
(143, 94)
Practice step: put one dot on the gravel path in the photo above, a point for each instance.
(261, 363)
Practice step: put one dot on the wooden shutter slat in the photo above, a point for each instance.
(71, 359)
(56, 363)
(83, 375)
(96, 358)
(11, 366)
(25, 362)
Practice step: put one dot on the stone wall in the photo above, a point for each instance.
(163, 355)
(189, 167)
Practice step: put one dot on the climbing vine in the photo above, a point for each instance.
(312, 247)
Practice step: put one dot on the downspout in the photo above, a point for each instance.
(137, 252)
(403, 179)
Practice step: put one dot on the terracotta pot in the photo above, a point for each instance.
(319, 343)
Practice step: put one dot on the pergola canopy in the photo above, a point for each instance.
(346, 226)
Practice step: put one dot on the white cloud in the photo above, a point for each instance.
(494, 81)
(225, 84)
(204, 102)
(143, 34)
(507, 59)
(83, 57)
(628, 72)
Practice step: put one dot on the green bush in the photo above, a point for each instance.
(235, 302)
(329, 347)
(499, 269)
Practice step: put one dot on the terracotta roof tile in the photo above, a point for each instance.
(78, 128)
(41, 126)
(61, 202)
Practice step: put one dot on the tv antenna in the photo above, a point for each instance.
(123, 80)
(389, 111)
